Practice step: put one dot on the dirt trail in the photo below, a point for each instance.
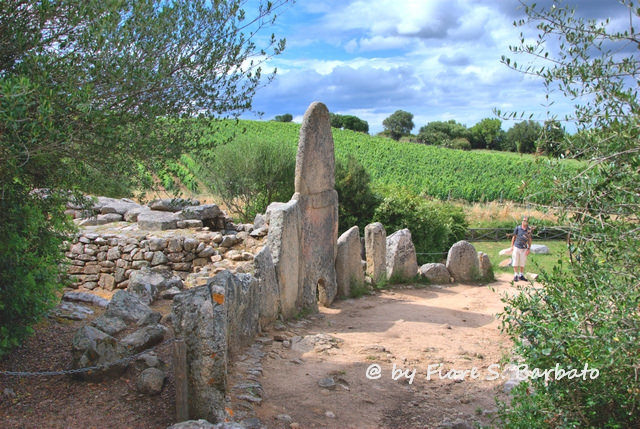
(408, 327)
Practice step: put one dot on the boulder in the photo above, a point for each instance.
(435, 273)
(86, 297)
(268, 293)
(132, 214)
(154, 220)
(92, 347)
(150, 381)
(106, 205)
(375, 243)
(203, 212)
(462, 262)
(402, 264)
(101, 219)
(128, 307)
(144, 338)
(539, 249)
(173, 204)
(109, 324)
(71, 311)
(148, 284)
(348, 263)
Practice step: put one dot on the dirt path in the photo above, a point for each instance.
(411, 328)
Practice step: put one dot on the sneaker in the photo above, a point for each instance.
(522, 277)
(516, 278)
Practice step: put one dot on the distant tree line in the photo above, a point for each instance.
(524, 137)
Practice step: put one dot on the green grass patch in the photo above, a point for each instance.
(535, 263)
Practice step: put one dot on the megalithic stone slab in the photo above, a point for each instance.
(200, 318)
(402, 264)
(318, 201)
(375, 243)
(349, 270)
(285, 243)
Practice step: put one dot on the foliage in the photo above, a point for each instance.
(487, 134)
(437, 172)
(435, 226)
(552, 138)
(287, 117)
(249, 174)
(522, 136)
(349, 122)
(357, 200)
(589, 313)
(91, 96)
(460, 143)
(442, 133)
(400, 123)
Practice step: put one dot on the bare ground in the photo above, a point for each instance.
(408, 327)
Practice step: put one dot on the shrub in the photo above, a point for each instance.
(249, 174)
(357, 201)
(32, 231)
(434, 225)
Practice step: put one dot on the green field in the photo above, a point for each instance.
(438, 172)
(535, 263)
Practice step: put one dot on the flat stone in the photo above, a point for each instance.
(154, 220)
(85, 297)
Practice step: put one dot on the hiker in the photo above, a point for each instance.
(520, 247)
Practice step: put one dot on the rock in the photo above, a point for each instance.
(284, 418)
(259, 232)
(159, 258)
(147, 284)
(110, 325)
(150, 381)
(285, 232)
(402, 264)
(92, 347)
(229, 241)
(85, 297)
(348, 263)
(462, 262)
(132, 214)
(259, 221)
(268, 293)
(190, 244)
(435, 273)
(203, 212)
(154, 220)
(327, 383)
(108, 205)
(193, 424)
(172, 204)
(152, 318)
(200, 318)
(107, 282)
(539, 249)
(144, 338)
(375, 243)
(71, 311)
(330, 414)
(207, 252)
(149, 360)
(157, 244)
(127, 306)
(101, 219)
(190, 223)
(484, 266)
(170, 293)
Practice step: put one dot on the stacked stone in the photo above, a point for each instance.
(107, 260)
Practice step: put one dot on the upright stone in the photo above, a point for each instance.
(318, 200)
(375, 243)
(200, 319)
(462, 262)
(268, 293)
(402, 264)
(349, 270)
(284, 241)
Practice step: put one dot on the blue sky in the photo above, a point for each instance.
(438, 59)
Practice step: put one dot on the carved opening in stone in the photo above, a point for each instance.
(320, 290)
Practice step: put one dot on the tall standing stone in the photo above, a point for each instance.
(375, 243)
(349, 270)
(318, 201)
(462, 262)
(268, 293)
(284, 241)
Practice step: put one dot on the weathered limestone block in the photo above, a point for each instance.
(132, 214)
(284, 241)
(348, 263)
(101, 219)
(402, 264)
(200, 318)
(435, 273)
(375, 243)
(268, 293)
(462, 262)
(318, 201)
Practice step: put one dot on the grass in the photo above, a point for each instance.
(535, 263)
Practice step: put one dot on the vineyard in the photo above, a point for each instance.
(438, 172)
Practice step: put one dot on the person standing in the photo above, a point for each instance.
(520, 247)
